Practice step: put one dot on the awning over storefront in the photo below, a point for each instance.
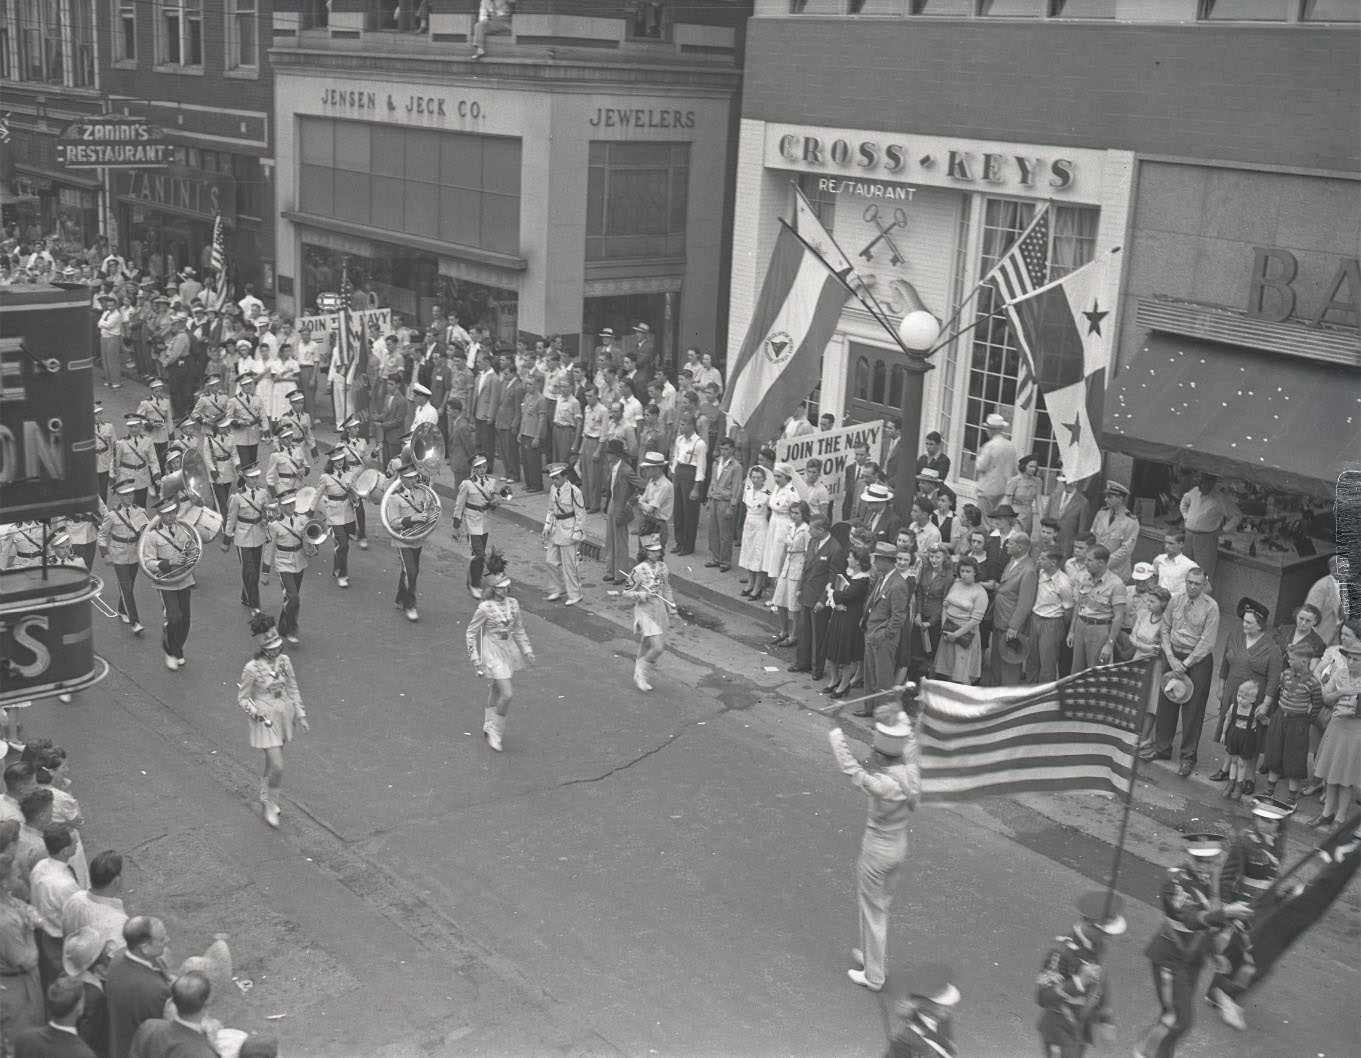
(1283, 421)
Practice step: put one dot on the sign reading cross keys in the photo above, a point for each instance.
(899, 221)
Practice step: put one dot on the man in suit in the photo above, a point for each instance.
(184, 1035)
(391, 421)
(885, 613)
(1012, 603)
(893, 443)
(506, 420)
(642, 349)
(136, 987)
(58, 1038)
(486, 397)
(462, 445)
(725, 492)
(879, 517)
(622, 484)
(824, 560)
(1070, 509)
(441, 388)
(853, 480)
(934, 457)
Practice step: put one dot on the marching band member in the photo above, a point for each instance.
(357, 452)
(221, 459)
(248, 415)
(213, 403)
(562, 534)
(1071, 986)
(477, 495)
(337, 504)
(82, 531)
(170, 542)
(291, 551)
(284, 472)
(301, 421)
(268, 692)
(21, 545)
(649, 585)
(135, 458)
(924, 1022)
(155, 412)
(105, 439)
(405, 510)
(245, 526)
(1192, 913)
(498, 646)
(118, 535)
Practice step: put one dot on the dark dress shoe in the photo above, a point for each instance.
(1220, 775)
(863, 712)
(1185, 768)
(607, 580)
(796, 668)
(841, 693)
(818, 674)
(724, 569)
(1249, 787)
(744, 593)
(711, 565)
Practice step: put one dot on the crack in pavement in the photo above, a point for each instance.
(630, 763)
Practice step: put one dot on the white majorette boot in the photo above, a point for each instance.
(640, 675)
(498, 728)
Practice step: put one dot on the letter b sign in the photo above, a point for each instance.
(1270, 296)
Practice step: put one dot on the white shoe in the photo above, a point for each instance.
(344, 582)
(138, 628)
(180, 662)
(498, 727)
(172, 664)
(411, 614)
(363, 545)
(125, 618)
(640, 676)
(858, 976)
(292, 639)
(272, 814)
(573, 602)
(555, 596)
(63, 698)
(1229, 1011)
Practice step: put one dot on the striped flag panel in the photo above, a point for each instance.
(1077, 734)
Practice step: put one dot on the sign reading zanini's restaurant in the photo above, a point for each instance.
(112, 142)
(935, 160)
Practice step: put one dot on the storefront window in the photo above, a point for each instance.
(995, 367)
(636, 200)
(459, 188)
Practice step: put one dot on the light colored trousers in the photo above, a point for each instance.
(111, 357)
(881, 863)
(565, 567)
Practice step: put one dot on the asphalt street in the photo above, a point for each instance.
(668, 874)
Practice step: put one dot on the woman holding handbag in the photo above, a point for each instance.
(934, 583)
(845, 638)
(959, 657)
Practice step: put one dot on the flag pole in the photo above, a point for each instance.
(1152, 680)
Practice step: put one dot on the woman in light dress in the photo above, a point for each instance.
(786, 597)
(268, 692)
(649, 586)
(498, 645)
(284, 371)
(1023, 493)
(782, 499)
(752, 556)
(959, 658)
(1339, 753)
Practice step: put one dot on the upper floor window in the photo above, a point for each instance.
(82, 63)
(242, 34)
(635, 200)
(124, 31)
(179, 33)
(648, 19)
(40, 50)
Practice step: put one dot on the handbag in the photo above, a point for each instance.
(950, 625)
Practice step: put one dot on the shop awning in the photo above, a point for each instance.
(1283, 421)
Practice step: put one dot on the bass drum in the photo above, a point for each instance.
(369, 484)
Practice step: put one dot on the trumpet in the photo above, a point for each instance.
(316, 531)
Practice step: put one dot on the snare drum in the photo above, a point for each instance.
(368, 484)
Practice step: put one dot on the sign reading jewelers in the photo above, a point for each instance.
(859, 155)
(113, 143)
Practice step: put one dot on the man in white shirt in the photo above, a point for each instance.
(52, 883)
(797, 425)
(307, 350)
(99, 907)
(1172, 565)
(249, 304)
(1205, 510)
(1051, 615)
(424, 411)
(813, 492)
(689, 457)
(996, 464)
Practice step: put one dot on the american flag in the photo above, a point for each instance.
(346, 287)
(1077, 734)
(1021, 271)
(217, 297)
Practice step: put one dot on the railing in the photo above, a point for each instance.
(1269, 12)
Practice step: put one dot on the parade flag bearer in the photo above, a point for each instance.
(892, 781)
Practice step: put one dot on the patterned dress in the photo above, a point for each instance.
(270, 688)
(496, 638)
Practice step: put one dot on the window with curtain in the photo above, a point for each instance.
(242, 35)
(82, 44)
(6, 74)
(40, 50)
(124, 31)
(995, 359)
(179, 33)
(636, 200)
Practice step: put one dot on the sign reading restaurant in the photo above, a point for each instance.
(861, 155)
(112, 142)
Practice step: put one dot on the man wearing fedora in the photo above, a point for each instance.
(996, 463)
(1190, 630)
(878, 517)
(885, 613)
(1012, 603)
(1116, 529)
(1071, 986)
(892, 783)
(1192, 913)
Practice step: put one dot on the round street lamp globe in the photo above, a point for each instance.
(919, 330)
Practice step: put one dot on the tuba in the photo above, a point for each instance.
(429, 507)
(191, 553)
(425, 449)
(193, 483)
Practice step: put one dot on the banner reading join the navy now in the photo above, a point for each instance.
(833, 449)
